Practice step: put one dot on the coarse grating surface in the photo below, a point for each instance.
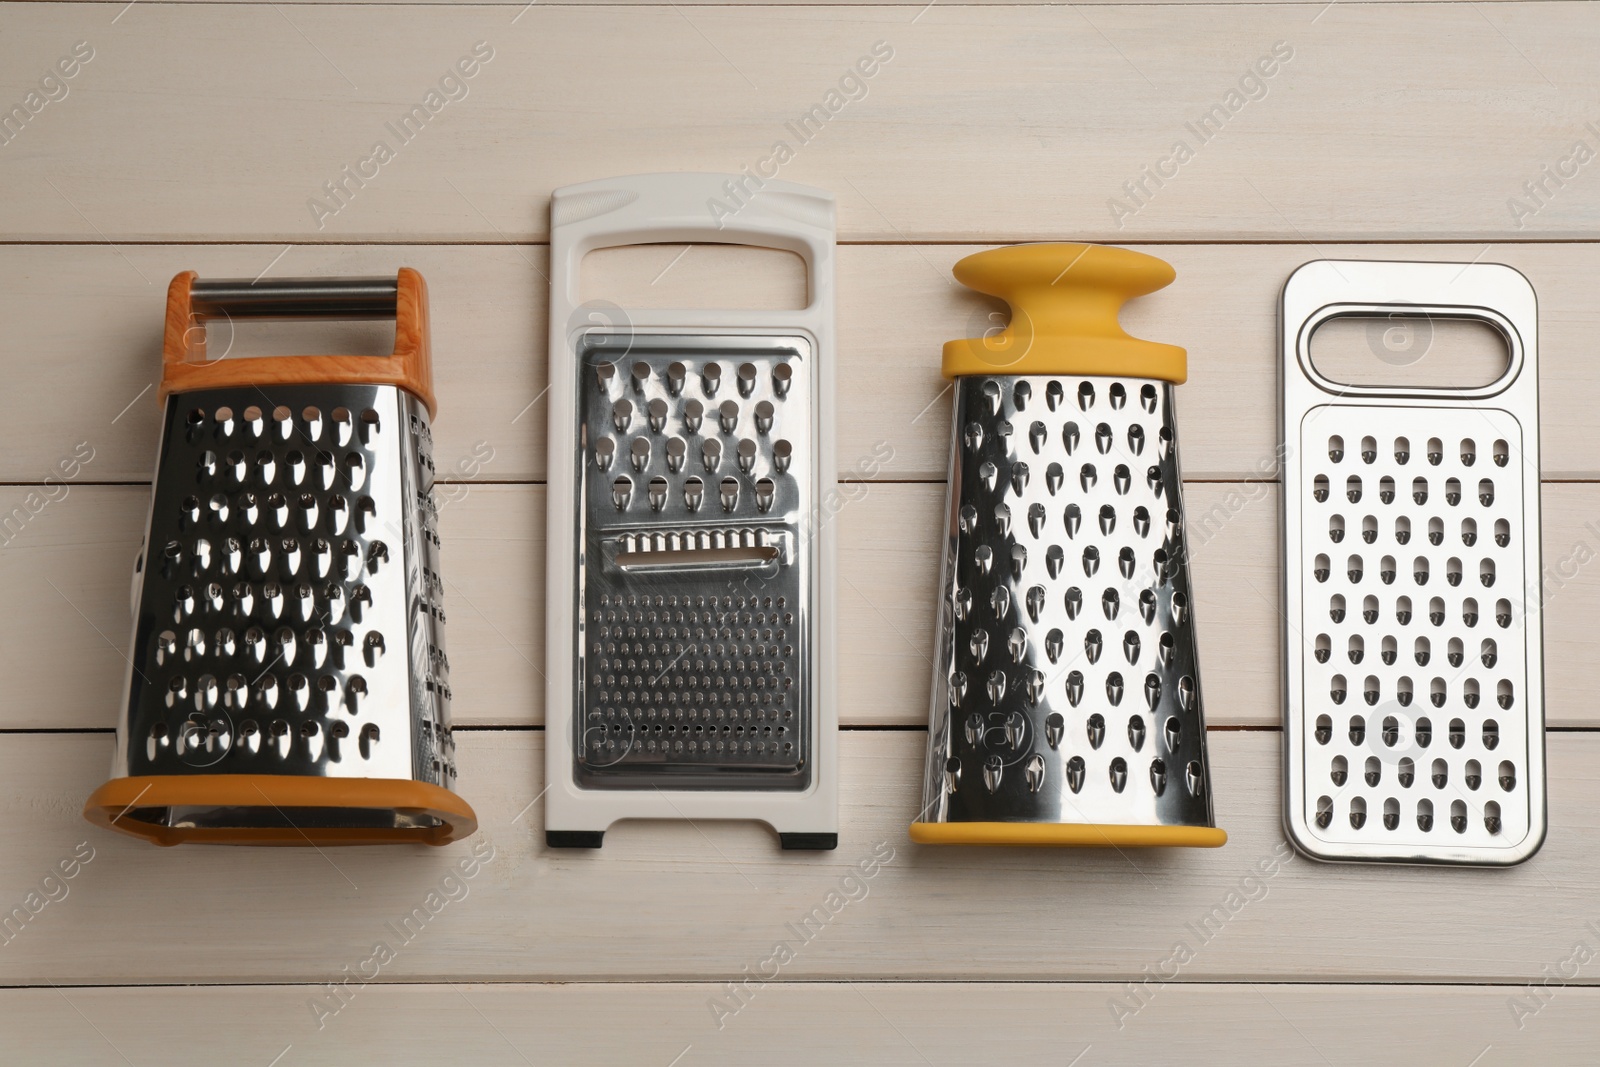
(1067, 688)
(1414, 719)
(289, 616)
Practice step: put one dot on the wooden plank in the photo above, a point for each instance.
(703, 902)
(886, 1023)
(71, 568)
(1051, 113)
(100, 324)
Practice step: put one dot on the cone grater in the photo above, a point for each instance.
(690, 624)
(1066, 703)
(1414, 710)
(288, 681)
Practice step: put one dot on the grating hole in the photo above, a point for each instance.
(1502, 613)
(1358, 813)
(1339, 770)
(1336, 604)
(1425, 815)
(1406, 772)
(1435, 451)
(1402, 530)
(1369, 450)
(1336, 448)
(1423, 732)
(1440, 775)
(1337, 689)
(1402, 450)
(1402, 610)
(1319, 488)
(1386, 489)
(1324, 811)
(1324, 729)
(1369, 609)
(1391, 814)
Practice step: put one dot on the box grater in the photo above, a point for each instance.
(1066, 705)
(1414, 705)
(288, 681)
(690, 606)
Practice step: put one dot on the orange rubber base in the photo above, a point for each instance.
(1079, 835)
(111, 804)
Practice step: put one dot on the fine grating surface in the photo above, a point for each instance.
(1414, 715)
(696, 475)
(1067, 688)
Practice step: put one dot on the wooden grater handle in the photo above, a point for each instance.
(184, 367)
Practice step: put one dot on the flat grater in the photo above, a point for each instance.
(288, 682)
(690, 665)
(1066, 705)
(1414, 704)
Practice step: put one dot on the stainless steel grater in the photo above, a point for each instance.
(1066, 706)
(690, 640)
(1414, 713)
(288, 681)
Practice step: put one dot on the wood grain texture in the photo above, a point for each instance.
(72, 565)
(100, 339)
(704, 901)
(187, 365)
(1008, 123)
(889, 1024)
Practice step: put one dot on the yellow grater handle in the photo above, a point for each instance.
(1064, 302)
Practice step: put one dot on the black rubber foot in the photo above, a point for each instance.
(574, 838)
(813, 842)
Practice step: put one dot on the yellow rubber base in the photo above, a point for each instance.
(119, 804)
(1078, 835)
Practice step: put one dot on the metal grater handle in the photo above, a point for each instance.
(295, 298)
(187, 365)
(1492, 293)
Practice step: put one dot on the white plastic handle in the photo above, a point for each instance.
(693, 209)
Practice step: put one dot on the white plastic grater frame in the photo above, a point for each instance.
(1502, 298)
(684, 209)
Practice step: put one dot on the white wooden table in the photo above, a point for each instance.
(194, 138)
